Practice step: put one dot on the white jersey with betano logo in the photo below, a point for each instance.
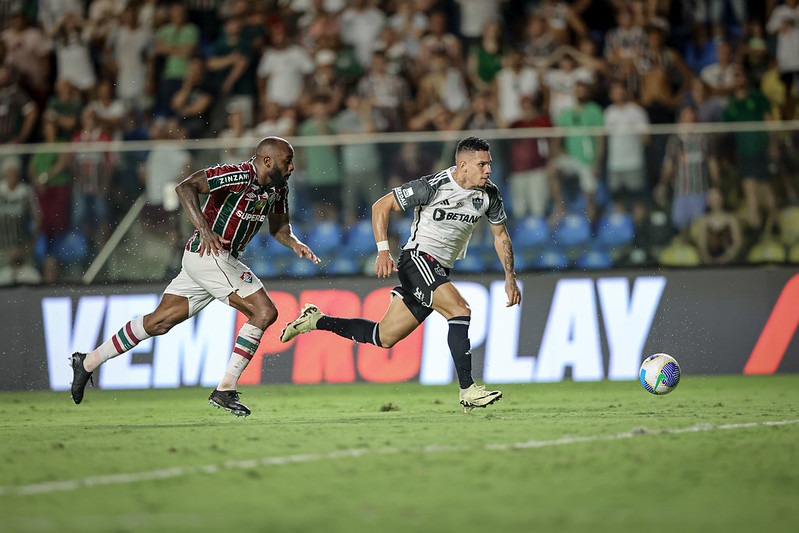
(445, 214)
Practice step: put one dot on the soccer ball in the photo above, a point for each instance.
(660, 373)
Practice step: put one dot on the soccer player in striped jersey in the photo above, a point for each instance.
(239, 199)
(447, 206)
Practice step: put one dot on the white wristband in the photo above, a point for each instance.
(382, 246)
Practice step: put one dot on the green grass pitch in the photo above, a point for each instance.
(557, 457)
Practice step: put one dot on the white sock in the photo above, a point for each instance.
(246, 343)
(128, 336)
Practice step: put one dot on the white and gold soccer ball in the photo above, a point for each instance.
(660, 373)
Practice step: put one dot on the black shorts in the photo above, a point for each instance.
(419, 274)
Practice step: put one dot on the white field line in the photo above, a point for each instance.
(353, 453)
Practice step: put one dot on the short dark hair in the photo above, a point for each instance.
(472, 144)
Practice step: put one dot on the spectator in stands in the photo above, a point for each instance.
(92, 169)
(410, 22)
(389, 93)
(395, 49)
(324, 82)
(752, 151)
(323, 170)
(109, 110)
(539, 43)
(360, 162)
(230, 66)
(513, 82)
(63, 108)
(713, 11)
(174, 43)
(753, 51)
(437, 40)
(528, 162)
(19, 225)
(282, 70)
(625, 44)
(656, 55)
(166, 165)
(485, 56)
(28, 51)
(474, 16)
(360, 26)
(582, 154)
(18, 113)
(480, 115)
(443, 84)
(709, 107)
(700, 51)
(191, 105)
(51, 12)
(317, 22)
(233, 149)
(73, 57)
(49, 172)
(689, 169)
(562, 20)
(720, 76)
(784, 23)
(130, 45)
(276, 122)
(718, 233)
(626, 165)
(102, 21)
(561, 83)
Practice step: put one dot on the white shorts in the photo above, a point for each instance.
(209, 277)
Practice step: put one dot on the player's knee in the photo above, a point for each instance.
(264, 316)
(462, 309)
(387, 343)
(161, 326)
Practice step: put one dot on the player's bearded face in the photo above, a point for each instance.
(278, 177)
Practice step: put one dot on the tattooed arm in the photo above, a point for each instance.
(504, 250)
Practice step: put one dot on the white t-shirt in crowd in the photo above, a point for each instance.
(562, 87)
(787, 39)
(625, 150)
(511, 86)
(285, 71)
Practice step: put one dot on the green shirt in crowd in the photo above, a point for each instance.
(175, 65)
(753, 108)
(582, 147)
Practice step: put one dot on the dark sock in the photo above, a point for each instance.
(357, 329)
(459, 345)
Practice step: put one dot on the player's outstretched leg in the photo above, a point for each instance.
(478, 396)
(229, 401)
(80, 376)
(302, 324)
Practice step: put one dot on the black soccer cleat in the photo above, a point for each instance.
(229, 401)
(80, 376)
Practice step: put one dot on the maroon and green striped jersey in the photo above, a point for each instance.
(237, 205)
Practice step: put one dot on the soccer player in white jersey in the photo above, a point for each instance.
(447, 206)
(240, 198)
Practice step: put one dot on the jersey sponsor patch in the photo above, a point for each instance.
(402, 194)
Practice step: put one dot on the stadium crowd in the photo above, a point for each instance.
(99, 70)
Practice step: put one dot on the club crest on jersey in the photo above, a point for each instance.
(260, 204)
(440, 270)
(477, 202)
(246, 277)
